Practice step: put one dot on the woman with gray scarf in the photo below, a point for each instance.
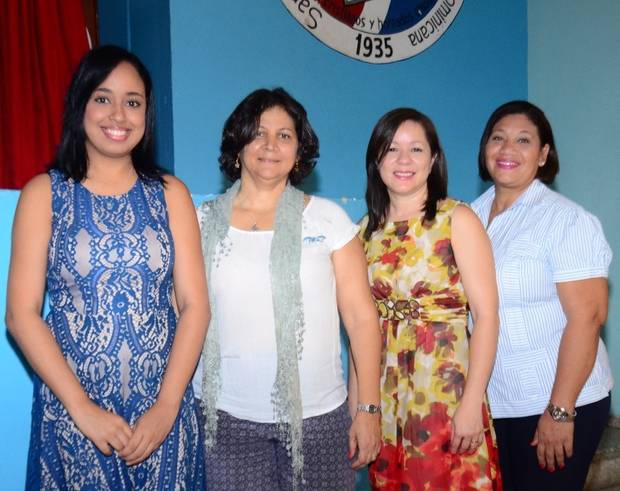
(281, 265)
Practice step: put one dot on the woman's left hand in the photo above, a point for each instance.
(149, 432)
(553, 441)
(467, 428)
(364, 438)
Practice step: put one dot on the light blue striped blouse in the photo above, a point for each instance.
(542, 239)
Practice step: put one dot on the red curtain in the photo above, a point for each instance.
(41, 42)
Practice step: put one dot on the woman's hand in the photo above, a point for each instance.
(364, 438)
(467, 428)
(359, 315)
(585, 305)
(553, 441)
(190, 290)
(190, 294)
(106, 430)
(149, 432)
(474, 258)
(26, 288)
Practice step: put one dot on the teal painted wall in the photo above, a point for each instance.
(220, 51)
(15, 385)
(574, 75)
(223, 50)
(143, 27)
(562, 54)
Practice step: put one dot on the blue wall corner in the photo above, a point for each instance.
(143, 27)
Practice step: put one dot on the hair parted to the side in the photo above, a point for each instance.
(71, 157)
(241, 126)
(377, 196)
(547, 172)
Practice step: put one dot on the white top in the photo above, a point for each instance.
(542, 239)
(242, 288)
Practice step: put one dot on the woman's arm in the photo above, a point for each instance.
(352, 389)
(26, 288)
(474, 258)
(585, 305)
(190, 289)
(362, 325)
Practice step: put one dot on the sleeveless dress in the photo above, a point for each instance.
(423, 316)
(109, 280)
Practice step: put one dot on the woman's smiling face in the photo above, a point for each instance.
(272, 153)
(408, 161)
(115, 115)
(513, 152)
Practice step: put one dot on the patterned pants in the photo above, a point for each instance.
(250, 455)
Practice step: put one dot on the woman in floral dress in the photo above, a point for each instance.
(430, 263)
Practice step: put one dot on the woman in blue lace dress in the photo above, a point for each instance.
(112, 240)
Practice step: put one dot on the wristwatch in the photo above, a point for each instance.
(560, 414)
(368, 408)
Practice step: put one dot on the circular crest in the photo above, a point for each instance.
(376, 31)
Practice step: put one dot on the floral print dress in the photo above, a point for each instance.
(423, 315)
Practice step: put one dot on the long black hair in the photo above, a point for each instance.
(71, 157)
(241, 126)
(377, 197)
(545, 173)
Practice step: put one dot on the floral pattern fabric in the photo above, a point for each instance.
(109, 280)
(423, 316)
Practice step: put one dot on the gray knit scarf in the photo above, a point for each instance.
(284, 262)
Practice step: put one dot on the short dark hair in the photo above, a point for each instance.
(377, 197)
(545, 173)
(71, 157)
(241, 126)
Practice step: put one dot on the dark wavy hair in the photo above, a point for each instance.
(377, 197)
(547, 172)
(240, 129)
(71, 157)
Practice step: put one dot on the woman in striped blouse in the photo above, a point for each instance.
(549, 391)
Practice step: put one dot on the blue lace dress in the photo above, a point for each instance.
(109, 279)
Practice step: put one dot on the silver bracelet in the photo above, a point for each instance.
(560, 414)
(368, 408)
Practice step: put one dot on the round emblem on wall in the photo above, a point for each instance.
(376, 31)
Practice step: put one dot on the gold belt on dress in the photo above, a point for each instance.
(398, 309)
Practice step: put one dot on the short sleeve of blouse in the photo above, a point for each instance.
(339, 227)
(580, 250)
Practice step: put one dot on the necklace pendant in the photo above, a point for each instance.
(254, 227)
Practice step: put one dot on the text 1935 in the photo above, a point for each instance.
(368, 46)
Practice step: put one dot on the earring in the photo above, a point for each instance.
(237, 164)
(297, 166)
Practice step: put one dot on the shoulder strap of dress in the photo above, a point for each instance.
(62, 188)
(448, 205)
(362, 223)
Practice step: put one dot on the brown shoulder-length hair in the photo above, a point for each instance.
(377, 197)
